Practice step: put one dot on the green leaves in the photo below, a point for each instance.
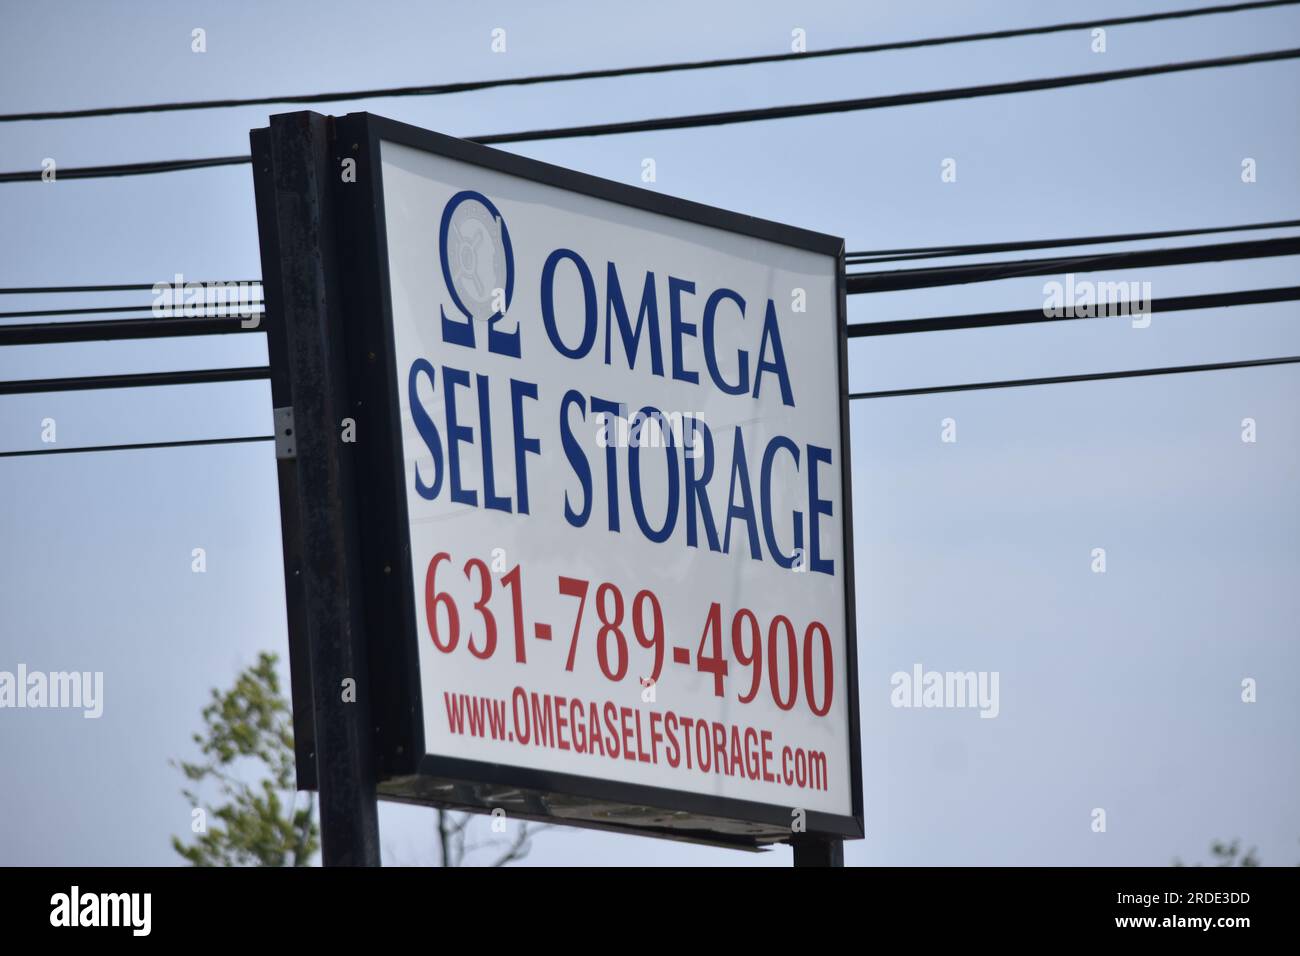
(249, 728)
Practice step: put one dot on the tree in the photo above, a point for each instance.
(1229, 854)
(261, 824)
(452, 834)
(257, 824)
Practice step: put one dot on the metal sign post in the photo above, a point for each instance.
(818, 852)
(301, 277)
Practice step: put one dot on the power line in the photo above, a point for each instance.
(987, 320)
(1089, 377)
(134, 380)
(177, 324)
(476, 85)
(934, 276)
(132, 287)
(50, 333)
(917, 252)
(879, 102)
(127, 169)
(724, 118)
(945, 252)
(172, 311)
(134, 446)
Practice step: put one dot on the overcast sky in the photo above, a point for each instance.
(1119, 691)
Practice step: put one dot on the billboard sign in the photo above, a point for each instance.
(614, 518)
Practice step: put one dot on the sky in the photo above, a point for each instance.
(1119, 691)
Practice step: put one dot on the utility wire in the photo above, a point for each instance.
(134, 380)
(884, 254)
(935, 276)
(1089, 377)
(132, 287)
(134, 446)
(113, 330)
(171, 312)
(987, 320)
(880, 102)
(50, 333)
(944, 252)
(725, 118)
(127, 169)
(474, 85)
(175, 323)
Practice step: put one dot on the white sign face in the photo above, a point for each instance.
(623, 456)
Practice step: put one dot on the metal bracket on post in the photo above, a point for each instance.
(286, 445)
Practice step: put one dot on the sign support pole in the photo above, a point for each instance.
(818, 851)
(294, 171)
